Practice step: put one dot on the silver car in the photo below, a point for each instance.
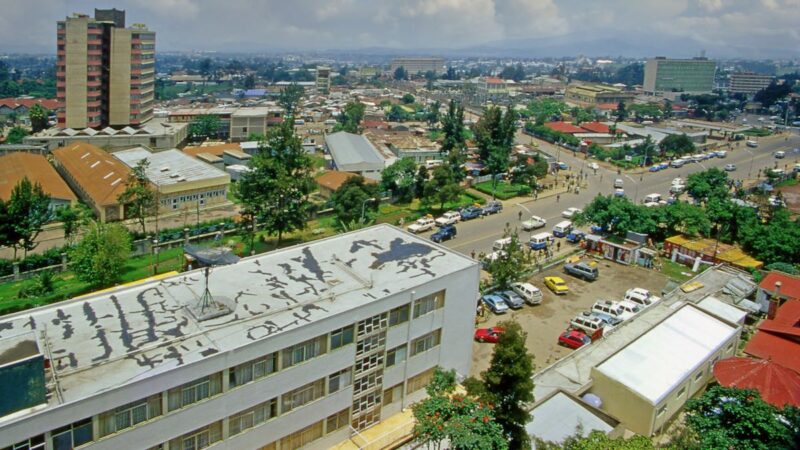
(512, 299)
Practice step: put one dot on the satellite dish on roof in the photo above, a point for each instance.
(210, 306)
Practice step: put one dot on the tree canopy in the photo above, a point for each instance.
(508, 266)
(676, 144)
(290, 97)
(400, 73)
(28, 209)
(354, 196)
(100, 257)
(38, 117)
(708, 184)
(204, 127)
(16, 135)
(139, 198)
(443, 187)
(350, 119)
(399, 179)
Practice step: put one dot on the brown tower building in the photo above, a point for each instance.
(105, 73)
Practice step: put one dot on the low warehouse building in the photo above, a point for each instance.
(649, 380)
(15, 166)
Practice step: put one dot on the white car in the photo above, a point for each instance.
(533, 223)
(569, 213)
(676, 181)
(422, 224)
(641, 297)
(594, 166)
(448, 218)
(629, 308)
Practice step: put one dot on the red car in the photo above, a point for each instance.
(574, 339)
(489, 334)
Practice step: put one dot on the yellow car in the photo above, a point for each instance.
(556, 284)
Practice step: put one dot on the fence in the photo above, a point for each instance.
(17, 275)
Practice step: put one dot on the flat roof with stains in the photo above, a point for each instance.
(125, 335)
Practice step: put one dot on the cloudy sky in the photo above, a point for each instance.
(724, 28)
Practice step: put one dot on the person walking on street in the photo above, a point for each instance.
(558, 246)
(520, 215)
(472, 254)
(558, 197)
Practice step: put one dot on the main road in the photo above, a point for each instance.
(478, 235)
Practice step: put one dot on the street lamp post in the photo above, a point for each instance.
(155, 256)
(364, 205)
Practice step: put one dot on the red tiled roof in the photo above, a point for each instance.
(15, 103)
(595, 127)
(777, 384)
(564, 127)
(612, 106)
(274, 119)
(790, 286)
(779, 338)
(494, 80)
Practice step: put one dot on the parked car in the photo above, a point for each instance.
(529, 292)
(570, 212)
(562, 165)
(780, 154)
(609, 308)
(533, 223)
(587, 323)
(641, 297)
(493, 207)
(722, 154)
(471, 212)
(448, 218)
(655, 168)
(629, 309)
(593, 166)
(512, 299)
(597, 229)
(609, 320)
(444, 233)
(586, 270)
(730, 167)
(677, 163)
(491, 334)
(574, 339)
(619, 192)
(495, 303)
(556, 284)
(422, 224)
(575, 236)
(618, 183)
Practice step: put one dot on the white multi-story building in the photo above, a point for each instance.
(298, 347)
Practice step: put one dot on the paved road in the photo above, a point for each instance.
(480, 234)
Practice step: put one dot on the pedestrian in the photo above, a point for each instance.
(558, 197)
(472, 254)
(520, 215)
(558, 246)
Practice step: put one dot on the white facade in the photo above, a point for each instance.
(356, 302)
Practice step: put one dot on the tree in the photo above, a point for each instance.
(464, 421)
(204, 127)
(508, 267)
(598, 440)
(732, 418)
(139, 198)
(711, 183)
(681, 217)
(249, 81)
(495, 135)
(621, 114)
(667, 109)
(38, 116)
(420, 180)
(29, 208)
(290, 97)
(508, 384)
(100, 256)
(8, 234)
(206, 69)
(454, 143)
(397, 114)
(399, 179)
(275, 191)
(407, 99)
(350, 119)
(772, 93)
(778, 240)
(432, 114)
(354, 196)
(71, 219)
(400, 74)
(16, 135)
(676, 144)
(442, 187)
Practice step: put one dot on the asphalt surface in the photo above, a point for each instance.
(479, 234)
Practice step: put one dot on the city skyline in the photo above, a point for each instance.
(458, 27)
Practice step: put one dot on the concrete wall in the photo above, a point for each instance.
(244, 126)
(119, 108)
(76, 73)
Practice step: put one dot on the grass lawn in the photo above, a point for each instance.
(677, 271)
(759, 132)
(787, 182)
(505, 190)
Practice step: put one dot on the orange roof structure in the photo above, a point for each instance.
(334, 179)
(15, 166)
(216, 149)
(99, 176)
(777, 385)
(595, 127)
(15, 103)
(725, 253)
(778, 339)
(564, 127)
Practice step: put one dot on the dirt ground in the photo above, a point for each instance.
(545, 322)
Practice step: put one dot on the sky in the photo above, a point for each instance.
(723, 28)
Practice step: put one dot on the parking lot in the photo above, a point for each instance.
(545, 322)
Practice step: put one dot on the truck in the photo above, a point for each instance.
(586, 270)
(533, 223)
(422, 224)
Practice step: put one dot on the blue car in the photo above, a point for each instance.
(495, 303)
(562, 166)
(575, 236)
(493, 207)
(663, 166)
(470, 212)
(655, 168)
(444, 233)
(597, 229)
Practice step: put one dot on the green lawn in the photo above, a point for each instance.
(759, 132)
(787, 182)
(676, 271)
(504, 190)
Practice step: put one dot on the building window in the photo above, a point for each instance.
(428, 304)
(34, 443)
(302, 395)
(661, 410)
(129, 415)
(418, 382)
(342, 337)
(425, 343)
(367, 383)
(197, 439)
(698, 376)
(396, 355)
(304, 351)
(392, 394)
(337, 421)
(399, 315)
(371, 344)
(340, 379)
(303, 437)
(72, 435)
(252, 417)
(194, 392)
(253, 370)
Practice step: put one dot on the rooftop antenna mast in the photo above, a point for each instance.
(210, 306)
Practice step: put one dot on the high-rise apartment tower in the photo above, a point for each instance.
(105, 72)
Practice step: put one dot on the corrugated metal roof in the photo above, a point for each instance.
(89, 166)
(170, 167)
(349, 149)
(15, 166)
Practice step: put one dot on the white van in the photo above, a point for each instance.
(652, 198)
(618, 183)
(641, 297)
(540, 241)
(529, 292)
(562, 228)
(677, 163)
(501, 244)
(752, 144)
(587, 323)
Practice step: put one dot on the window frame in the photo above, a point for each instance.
(342, 337)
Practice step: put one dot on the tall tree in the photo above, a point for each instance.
(29, 206)
(508, 384)
(454, 143)
(420, 180)
(16, 135)
(276, 189)
(399, 179)
(350, 119)
(204, 127)
(139, 198)
(290, 97)
(71, 219)
(508, 266)
(206, 69)
(432, 114)
(353, 197)
(711, 183)
(495, 135)
(100, 257)
(621, 113)
(442, 187)
(8, 234)
(676, 144)
(400, 73)
(38, 117)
